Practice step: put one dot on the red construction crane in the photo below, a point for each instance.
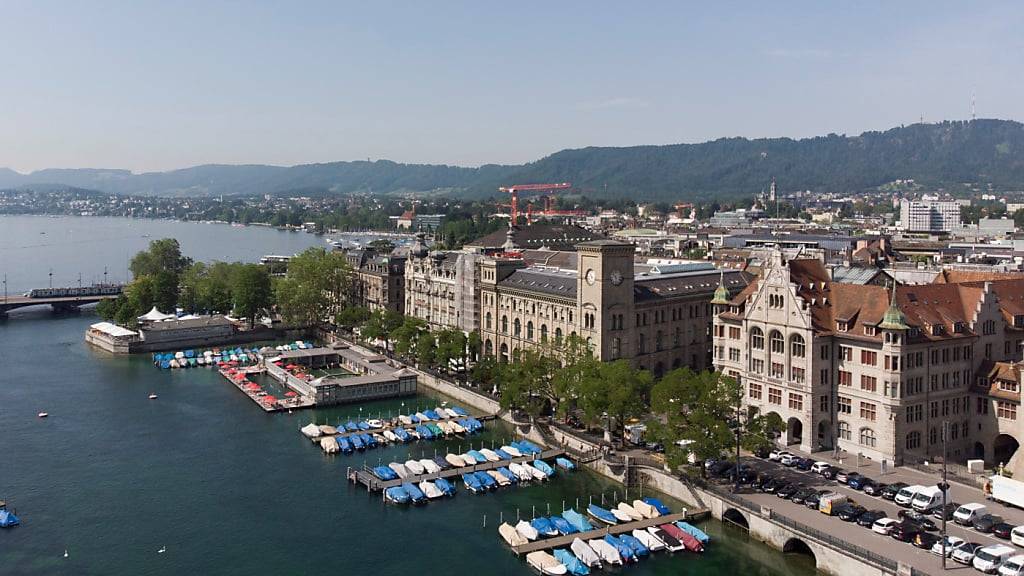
(514, 191)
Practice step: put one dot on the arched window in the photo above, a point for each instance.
(797, 347)
(517, 327)
(543, 332)
(657, 341)
(488, 348)
(867, 437)
(529, 330)
(778, 344)
(844, 430)
(504, 353)
(504, 324)
(756, 338)
(488, 321)
(558, 335)
(641, 344)
(913, 440)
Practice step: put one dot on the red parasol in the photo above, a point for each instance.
(290, 394)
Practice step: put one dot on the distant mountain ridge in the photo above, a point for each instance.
(947, 154)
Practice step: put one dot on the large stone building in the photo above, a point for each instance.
(441, 287)
(871, 370)
(657, 316)
(379, 280)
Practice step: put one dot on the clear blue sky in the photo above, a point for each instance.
(154, 86)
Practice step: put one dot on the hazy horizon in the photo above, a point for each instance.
(149, 87)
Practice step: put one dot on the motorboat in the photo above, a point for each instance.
(344, 445)
(351, 426)
(445, 487)
(512, 478)
(649, 540)
(512, 451)
(537, 474)
(688, 541)
(153, 396)
(422, 417)
(692, 530)
(585, 553)
(562, 525)
(363, 425)
(499, 478)
(490, 455)
(413, 434)
(384, 473)
(468, 459)
(608, 553)
(635, 544)
(455, 460)
(545, 563)
(478, 456)
(645, 509)
(414, 467)
(510, 535)
(544, 526)
(579, 521)
(380, 439)
(451, 413)
(658, 505)
(486, 481)
(405, 420)
(620, 515)
(600, 514)
(402, 434)
(357, 442)
(424, 432)
(430, 490)
(391, 436)
(459, 411)
(523, 474)
(526, 530)
(472, 483)
(431, 415)
(397, 495)
(368, 440)
(502, 454)
(446, 427)
(311, 431)
(629, 511)
(429, 467)
(329, 445)
(621, 547)
(573, 565)
(564, 463)
(399, 469)
(672, 544)
(328, 429)
(434, 429)
(442, 463)
(457, 428)
(375, 423)
(544, 467)
(442, 414)
(415, 494)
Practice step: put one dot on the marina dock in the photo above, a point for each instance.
(277, 405)
(565, 541)
(390, 425)
(374, 484)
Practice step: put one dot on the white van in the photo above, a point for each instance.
(990, 558)
(1017, 536)
(1014, 566)
(928, 498)
(968, 513)
(905, 496)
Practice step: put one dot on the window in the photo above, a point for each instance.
(842, 325)
(824, 352)
(775, 300)
(988, 328)
(845, 378)
(543, 332)
(823, 403)
(933, 436)
(844, 430)
(504, 324)
(488, 321)
(798, 374)
(869, 330)
(846, 353)
(845, 406)
(778, 370)
(558, 335)
(757, 365)
(774, 395)
(734, 354)
(754, 390)
(915, 413)
(892, 362)
(777, 343)
(867, 437)
(797, 347)
(867, 411)
(529, 330)
(869, 383)
(913, 440)
(734, 332)
(1008, 385)
(796, 401)
(1006, 410)
(868, 357)
(517, 327)
(757, 339)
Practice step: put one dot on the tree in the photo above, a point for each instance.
(407, 334)
(526, 382)
(352, 316)
(578, 371)
(698, 408)
(382, 246)
(451, 347)
(426, 349)
(165, 290)
(163, 255)
(251, 291)
(315, 286)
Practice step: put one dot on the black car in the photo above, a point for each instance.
(813, 500)
(804, 464)
(917, 518)
(890, 491)
(905, 531)
(986, 523)
(868, 518)
(874, 488)
(831, 472)
(760, 481)
(850, 512)
(946, 511)
(789, 490)
(1002, 530)
(924, 540)
(802, 495)
(772, 484)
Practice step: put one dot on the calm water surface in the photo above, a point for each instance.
(112, 476)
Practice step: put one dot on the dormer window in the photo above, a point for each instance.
(869, 330)
(958, 327)
(914, 332)
(1018, 320)
(842, 325)
(938, 329)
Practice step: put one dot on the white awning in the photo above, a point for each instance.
(155, 315)
(112, 329)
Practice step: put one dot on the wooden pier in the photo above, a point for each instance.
(565, 541)
(373, 484)
(391, 425)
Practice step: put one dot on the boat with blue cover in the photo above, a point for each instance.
(635, 544)
(578, 521)
(562, 525)
(602, 514)
(658, 505)
(480, 458)
(472, 483)
(368, 440)
(623, 549)
(571, 562)
(485, 480)
(543, 467)
(502, 454)
(397, 494)
(442, 463)
(344, 445)
(508, 474)
(415, 494)
(363, 425)
(445, 487)
(692, 530)
(351, 426)
(402, 434)
(384, 473)
(414, 418)
(431, 414)
(459, 410)
(424, 432)
(544, 526)
(564, 463)
(357, 442)
(435, 429)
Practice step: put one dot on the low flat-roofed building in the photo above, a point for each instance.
(188, 332)
(372, 378)
(111, 337)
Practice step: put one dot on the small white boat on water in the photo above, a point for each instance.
(380, 438)
(585, 553)
(653, 530)
(620, 515)
(413, 434)
(468, 458)
(514, 452)
(535, 473)
(629, 511)
(499, 478)
(153, 396)
(526, 530)
(445, 427)
(545, 563)
(391, 436)
(430, 490)
(607, 552)
(429, 466)
(375, 423)
(455, 460)
(441, 412)
(522, 473)
(311, 431)
(646, 509)
(491, 455)
(399, 469)
(510, 535)
(329, 445)
(647, 539)
(414, 467)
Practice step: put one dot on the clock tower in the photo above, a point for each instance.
(604, 296)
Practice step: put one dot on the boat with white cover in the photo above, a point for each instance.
(522, 473)
(629, 511)
(491, 455)
(510, 535)
(647, 539)
(455, 460)
(414, 467)
(585, 553)
(405, 419)
(513, 451)
(391, 436)
(535, 473)
(645, 509)
(545, 563)
(606, 551)
(399, 469)
(431, 491)
(620, 515)
(311, 431)
(526, 530)
(451, 413)
(499, 478)
(429, 466)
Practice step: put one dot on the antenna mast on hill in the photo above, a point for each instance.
(974, 116)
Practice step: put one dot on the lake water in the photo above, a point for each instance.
(112, 476)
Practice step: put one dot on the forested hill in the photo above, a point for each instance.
(945, 155)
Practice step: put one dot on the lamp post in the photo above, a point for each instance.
(944, 487)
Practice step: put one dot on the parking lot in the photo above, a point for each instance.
(864, 536)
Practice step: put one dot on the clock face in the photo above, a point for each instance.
(591, 276)
(616, 277)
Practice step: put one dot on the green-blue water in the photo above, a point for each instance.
(112, 477)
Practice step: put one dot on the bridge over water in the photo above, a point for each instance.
(57, 303)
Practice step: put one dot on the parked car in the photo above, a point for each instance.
(844, 477)
(850, 512)
(968, 513)
(789, 490)
(814, 500)
(819, 467)
(857, 482)
(946, 512)
(952, 543)
(868, 518)
(918, 518)
(719, 468)
(1003, 530)
(759, 481)
(1014, 566)
(804, 464)
(924, 541)
(873, 488)
(890, 491)
(884, 525)
(788, 459)
(986, 522)
(777, 454)
(1017, 536)
(831, 472)
(965, 553)
(772, 484)
(801, 495)
(989, 558)
(905, 531)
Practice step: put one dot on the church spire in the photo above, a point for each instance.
(894, 318)
(721, 293)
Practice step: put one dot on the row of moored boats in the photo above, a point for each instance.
(609, 550)
(357, 436)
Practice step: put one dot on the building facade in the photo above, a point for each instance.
(929, 216)
(441, 287)
(378, 281)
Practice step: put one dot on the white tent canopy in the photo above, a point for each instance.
(155, 315)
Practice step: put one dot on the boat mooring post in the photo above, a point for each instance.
(563, 504)
(549, 508)
(501, 517)
(534, 507)
(485, 521)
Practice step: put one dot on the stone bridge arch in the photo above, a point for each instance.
(734, 517)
